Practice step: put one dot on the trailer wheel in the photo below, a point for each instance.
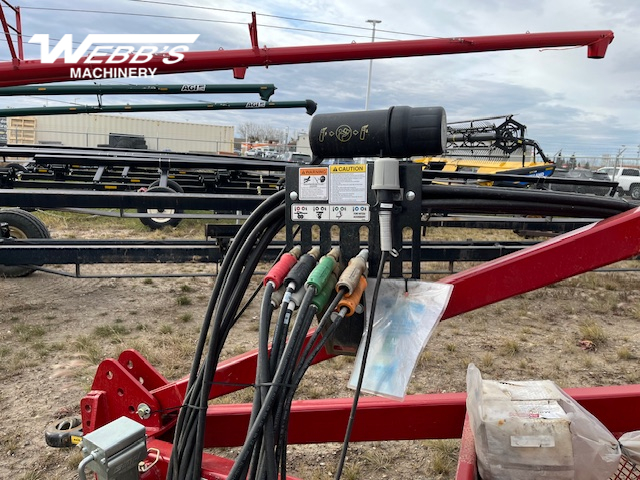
(156, 223)
(171, 184)
(17, 167)
(21, 225)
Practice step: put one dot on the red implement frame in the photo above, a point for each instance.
(121, 386)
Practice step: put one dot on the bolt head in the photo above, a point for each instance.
(293, 196)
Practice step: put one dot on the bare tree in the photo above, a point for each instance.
(250, 131)
(256, 132)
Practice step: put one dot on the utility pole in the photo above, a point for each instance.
(373, 37)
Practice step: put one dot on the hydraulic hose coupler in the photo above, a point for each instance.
(322, 297)
(318, 277)
(351, 275)
(282, 267)
(351, 302)
(277, 297)
(301, 270)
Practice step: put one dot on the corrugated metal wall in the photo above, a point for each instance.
(90, 130)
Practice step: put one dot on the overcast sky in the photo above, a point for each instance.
(567, 101)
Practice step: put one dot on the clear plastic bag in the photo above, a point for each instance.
(405, 317)
(564, 439)
(630, 444)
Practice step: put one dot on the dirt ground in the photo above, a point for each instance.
(54, 330)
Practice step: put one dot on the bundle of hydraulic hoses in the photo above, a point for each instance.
(239, 265)
(303, 288)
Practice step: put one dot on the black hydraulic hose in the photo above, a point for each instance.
(288, 356)
(506, 194)
(239, 240)
(246, 228)
(363, 364)
(259, 287)
(272, 222)
(182, 453)
(254, 255)
(307, 356)
(220, 332)
(313, 347)
(282, 403)
(532, 207)
(263, 377)
(279, 335)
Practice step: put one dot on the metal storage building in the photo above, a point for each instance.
(91, 130)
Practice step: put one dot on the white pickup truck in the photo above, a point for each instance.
(628, 180)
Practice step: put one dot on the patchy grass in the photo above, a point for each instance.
(115, 331)
(625, 353)
(510, 348)
(183, 300)
(444, 456)
(590, 329)
(89, 347)
(26, 333)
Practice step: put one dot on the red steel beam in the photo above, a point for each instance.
(418, 417)
(596, 41)
(582, 250)
(425, 416)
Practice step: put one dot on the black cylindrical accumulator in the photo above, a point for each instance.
(398, 132)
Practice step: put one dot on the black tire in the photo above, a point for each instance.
(21, 225)
(634, 191)
(160, 222)
(17, 167)
(175, 186)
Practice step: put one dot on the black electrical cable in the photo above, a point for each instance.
(365, 352)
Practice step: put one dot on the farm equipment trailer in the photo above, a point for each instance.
(133, 395)
(130, 169)
(133, 414)
(162, 188)
(26, 245)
